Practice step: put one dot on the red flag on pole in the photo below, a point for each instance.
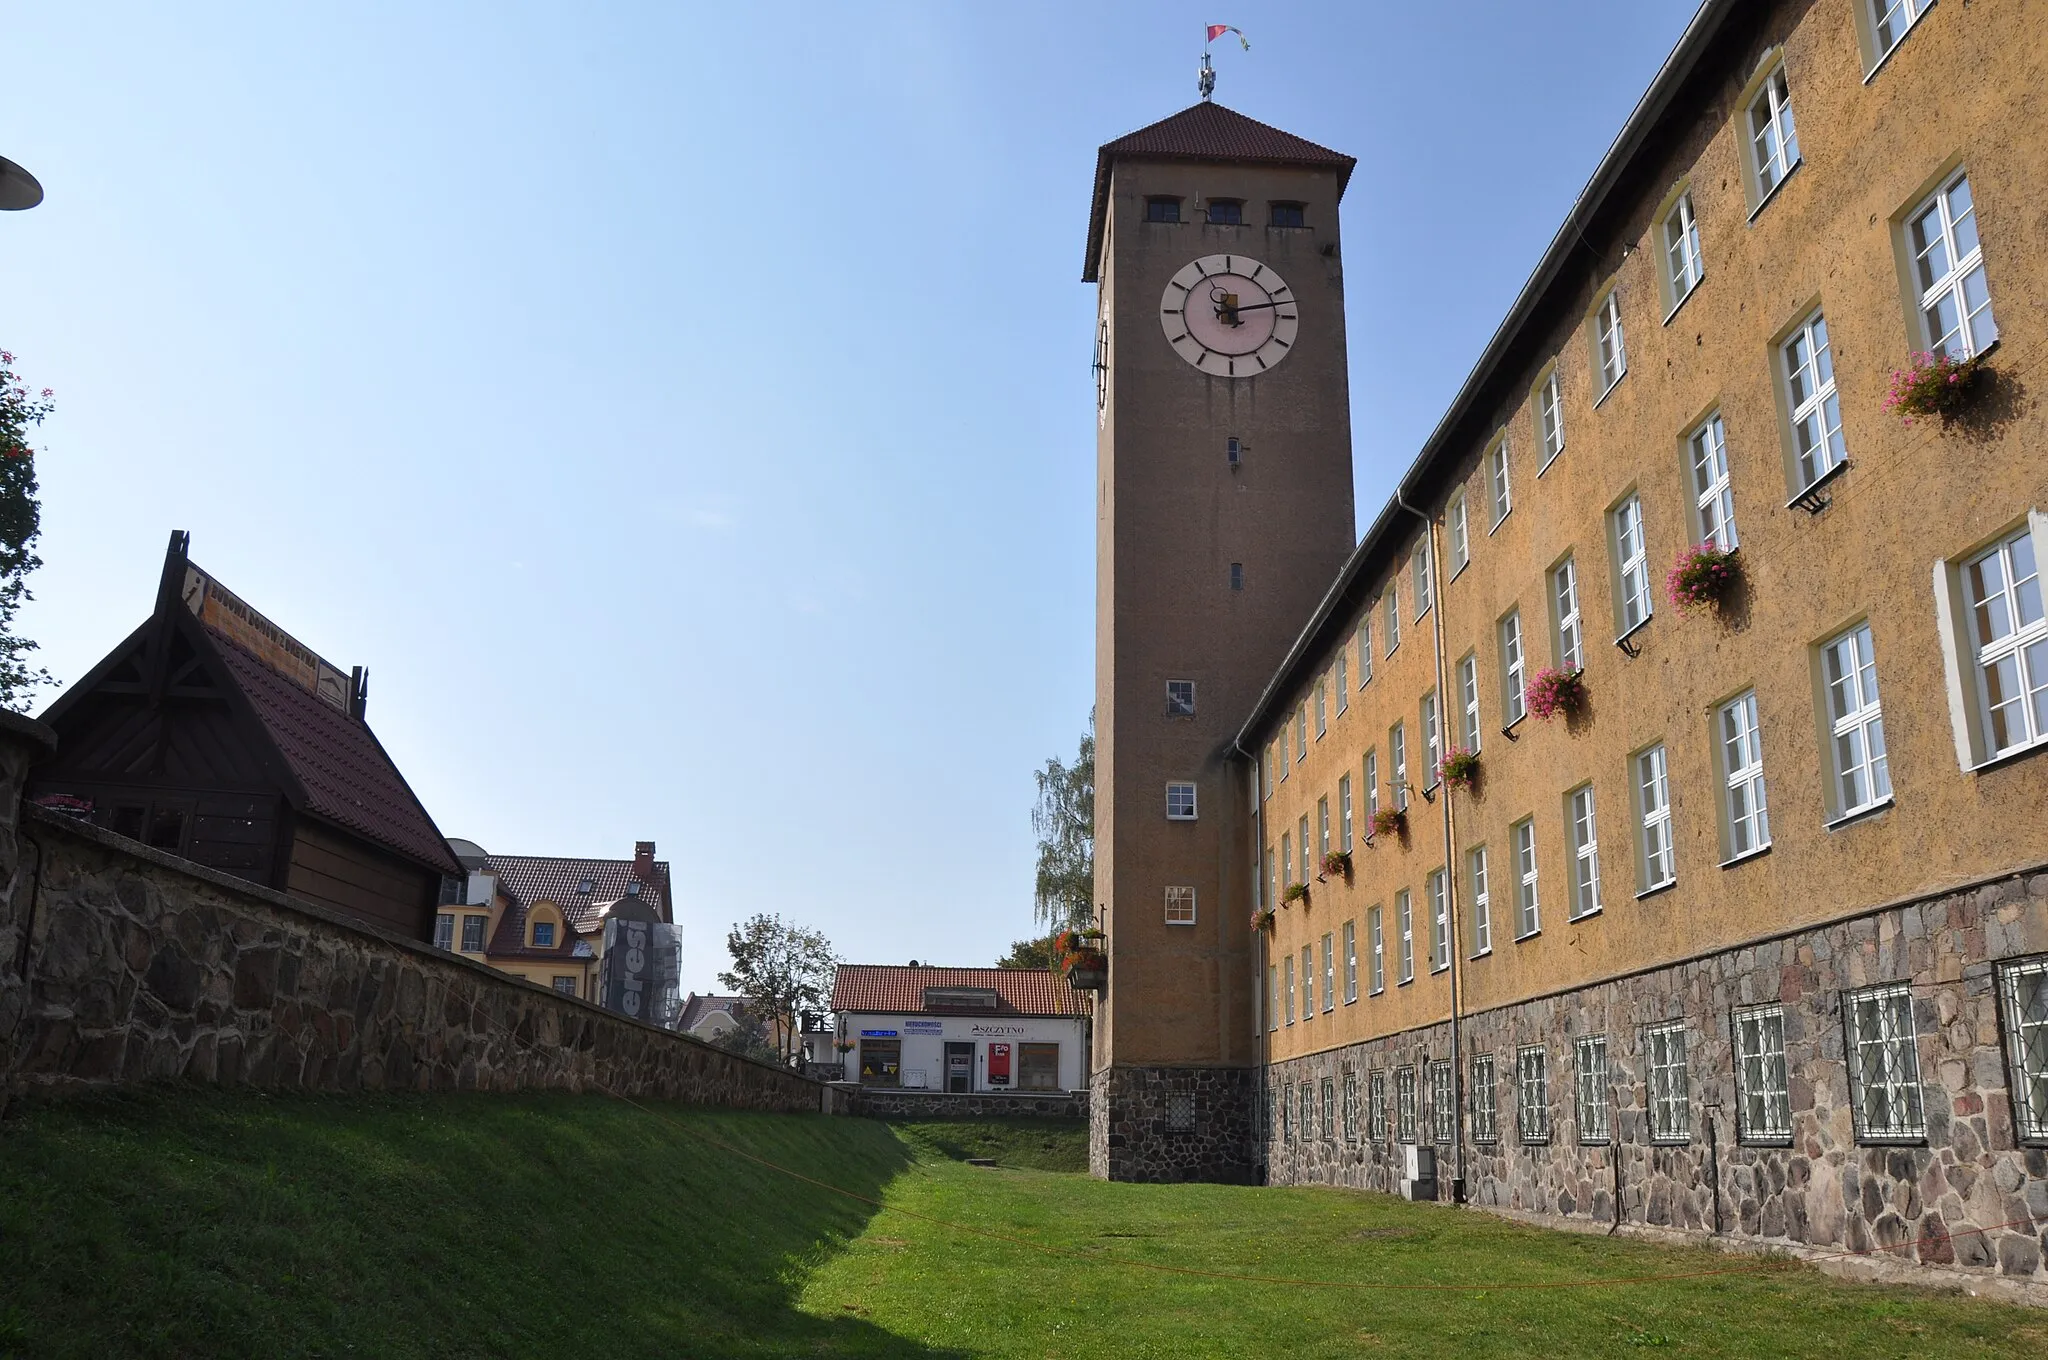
(1218, 30)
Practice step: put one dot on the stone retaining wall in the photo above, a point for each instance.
(888, 1102)
(1173, 1124)
(1965, 1198)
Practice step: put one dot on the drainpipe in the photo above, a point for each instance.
(1443, 699)
(1259, 956)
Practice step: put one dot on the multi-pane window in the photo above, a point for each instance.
(1376, 1106)
(444, 930)
(1180, 698)
(1432, 741)
(1711, 490)
(1849, 670)
(1593, 1120)
(544, 935)
(1404, 916)
(1303, 824)
(1418, 575)
(1322, 709)
(1948, 264)
(1343, 681)
(1350, 961)
(2009, 643)
(1884, 1064)
(1287, 983)
(1180, 802)
(1329, 972)
(1225, 212)
(1378, 940)
(1513, 681)
(1329, 1108)
(1497, 482)
(1763, 1103)
(1272, 880)
(1460, 532)
(1323, 826)
(1742, 762)
(1237, 576)
(2023, 992)
(1272, 996)
(1482, 903)
(1670, 1091)
(1532, 1094)
(1301, 732)
(1397, 754)
(1528, 918)
(1468, 703)
(1891, 19)
(1443, 1103)
(1162, 210)
(1344, 812)
(1564, 595)
(1632, 565)
(1439, 921)
(1308, 1112)
(1608, 348)
(1365, 650)
(1585, 852)
(1286, 737)
(473, 934)
(1683, 264)
(1404, 1103)
(1372, 786)
(1308, 983)
(1550, 421)
(1287, 1114)
(1350, 1107)
(1774, 142)
(1810, 394)
(1485, 1101)
(1653, 802)
(1393, 618)
(1289, 215)
(1180, 906)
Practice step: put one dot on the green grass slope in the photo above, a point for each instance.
(1035, 1144)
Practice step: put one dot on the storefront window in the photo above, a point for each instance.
(881, 1062)
(1038, 1067)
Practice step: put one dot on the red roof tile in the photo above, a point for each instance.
(1203, 132)
(527, 879)
(896, 989)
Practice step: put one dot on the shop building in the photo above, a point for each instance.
(959, 1030)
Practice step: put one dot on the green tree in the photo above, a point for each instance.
(784, 969)
(749, 1038)
(21, 524)
(1064, 820)
(1028, 955)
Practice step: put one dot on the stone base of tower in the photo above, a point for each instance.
(1173, 1124)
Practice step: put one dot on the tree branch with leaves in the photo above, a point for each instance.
(21, 524)
(1063, 896)
(784, 969)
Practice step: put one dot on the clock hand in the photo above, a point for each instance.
(1257, 306)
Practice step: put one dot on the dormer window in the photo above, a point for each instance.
(1162, 210)
(543, 934)
(1289, 215)
(1226, 212)
(584, 886)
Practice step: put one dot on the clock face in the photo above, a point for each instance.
(1229, 315)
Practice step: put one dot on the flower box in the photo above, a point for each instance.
(1295, 892)
(1389, 822)
(1555, 692)
(1933, 385)
(1704, 575)
(1263, 918)
(1337, 862)
(1459, 769)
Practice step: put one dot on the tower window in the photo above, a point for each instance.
(1180, 698)
(1237, 576)
(1180, 802)
(1162, 210)
(1234, 450)
(1225, 212)
(1289, 215)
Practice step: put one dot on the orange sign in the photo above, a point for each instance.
(229, 615)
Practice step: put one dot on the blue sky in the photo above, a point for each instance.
(685, 413)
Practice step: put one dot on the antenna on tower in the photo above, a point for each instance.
(1205, 79)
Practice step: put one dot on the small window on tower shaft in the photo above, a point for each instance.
(1235, 450)
(1289, 215)
(1162, 210)
(1225, 212)
(1237, 576)
(1180, 698)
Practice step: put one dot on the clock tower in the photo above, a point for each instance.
(1223, 512)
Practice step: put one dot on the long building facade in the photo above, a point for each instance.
(1728, 914)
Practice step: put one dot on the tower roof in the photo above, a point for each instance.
(1203, 132)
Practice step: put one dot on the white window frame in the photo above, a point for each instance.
(1377, 937)
(1301, 732)
(1745, 807)
(1684, 265)
(1372, 788)
(1806, 362)
(1856, 748)
(1286, 859)
(1471, 734)
(1532, 1093)
(1772, 136)
(2023, 995)
(1713, 495)
(1438, 885)
(1610, 346)
(2019, 651)
(1528, 901)
(1569, 636)
(1342, 683)
(1460, 534)
(1880, 13)
(1500, 489)
(1513, 669)
(1655, 847)
(1181, 794)
(1406, 1114)
(1322, 828)
(1329, 972)
(1397, 754)
(1287, 981)
(1404, 921)
(1286, 737)
(1376, 1105)
(1418, 579)
(1482, 901)
(1176, 705)
(1883, 1050)
(1273, 997)
(1306, 868)
(1365, 650)
(1763, 1101)
(444, 931)
(1596, 1128)
(1432, 740)
(1350, 962)
(1634, 602)
(482, 929)
(1485, 1101)
(1549, 422)
(1308, 983)
(1393, 602)
(1443, 1103)
(1322, 708)
(1670, 1086)
(1180, 906)
(1582, 826)
(1344, 809)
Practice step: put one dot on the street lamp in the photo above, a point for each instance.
(18, 188)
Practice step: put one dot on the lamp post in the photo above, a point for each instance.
(18, 188)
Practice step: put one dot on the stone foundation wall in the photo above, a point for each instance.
(1172, 1124)
(1965, 1198)
(144, 967)
(886, 1102)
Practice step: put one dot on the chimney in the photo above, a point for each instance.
(643, 861)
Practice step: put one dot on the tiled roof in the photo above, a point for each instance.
(526, 879)
(1203, 132)
(696, 1008)
(896, 989)
(346, 773)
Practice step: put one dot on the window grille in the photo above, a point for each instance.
(1443, 1104)
(1670, 1091)
(1742, 758)
(1482, 904)
(1593, 1120)
(1404, 1102)
(1712, 493)
(1514, 683)
(1550, 420)
(2023, 991)
(1816, 410)
(1376, 1106)
(1607, 340)
(1350, 1107)
(1763, 1104)
(1329, 1109)
(1287, 1113)
(1948, 263)
(1529, 918)
(1308, 1112)
(1564, 583)
(1585, 854)
(1774, 141)
(1862, 773)
(1180, 1112)
(1532, 1106)
(1485, 1101)
(2009, 634)
(1884, 1065)
(1683, 263)
(1653, 789)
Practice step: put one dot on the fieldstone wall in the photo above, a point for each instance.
(889, 1102)
(143, 967)
(1172, 1124)
(1965, 1198)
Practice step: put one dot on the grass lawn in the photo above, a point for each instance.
(190, 1222)
(1035, 1144)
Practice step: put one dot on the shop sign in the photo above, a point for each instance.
(924, 1027)
(989, 1031)
(878, 1034)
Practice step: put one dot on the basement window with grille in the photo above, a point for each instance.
(2023, 991)
(1884, 1065)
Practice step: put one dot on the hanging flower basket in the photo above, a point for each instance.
(1555, 692)
(1459, 768)
(1295, 892)
(1389, 822)
(1933, 385)
(1705, 575)
(844, 1046)
(1338, 862)
(1263, 918)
